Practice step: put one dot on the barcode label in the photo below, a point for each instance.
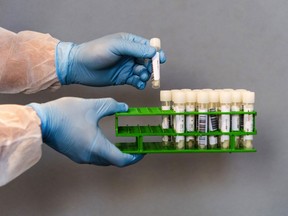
(213, 120)
(202, 127)
(202, 140)
(202, 123)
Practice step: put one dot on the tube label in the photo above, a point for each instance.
(225, 122)
(213, 120)
(202, 127)
(248, 122)
(235, 119)
(156, 66)
(190, 119)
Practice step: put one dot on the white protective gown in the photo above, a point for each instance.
(27, 64)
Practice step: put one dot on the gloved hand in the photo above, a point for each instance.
(70, 126)
(115, 59)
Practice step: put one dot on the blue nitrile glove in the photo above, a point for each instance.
(115, 59)
(70, 126)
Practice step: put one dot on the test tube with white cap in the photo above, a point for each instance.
(179, 122)
(156, 43)
(248, 106)
(165, 98)
(235, 118)
(213, 119)
(173, 91)
(190, 119)
(225, 106)
(202, 123)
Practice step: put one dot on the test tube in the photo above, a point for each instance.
(235, 118)
(173, 91)
(225, 106)
(202, 123)
(190, 119)
(156, 43)
(213, 119)
(179, 107)
(248, 106)
(242, 91)
(165, 98)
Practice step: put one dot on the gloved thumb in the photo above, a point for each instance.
(109, 106)
(136, 50)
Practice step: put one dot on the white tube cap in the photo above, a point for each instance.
(225, 97)
(228, 89)
(185, 90)
(236, 97)
(202, 97)
(156, 43)
(213, 96)
(248, 97)
(207, 89)
(191, 96)
(165, 95)
(173, 92)
(179, 97)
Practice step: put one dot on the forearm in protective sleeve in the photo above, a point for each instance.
(27, 62)
(20, 141)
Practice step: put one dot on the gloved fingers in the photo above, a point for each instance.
(142, 72)
(147, 63)
(162, 57)
(135, 81)
(107, 106)
(139, 39)
(136, 39)
(110, 154)
(137, 157)
(136, 50)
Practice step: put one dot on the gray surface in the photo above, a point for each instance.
(209, 44)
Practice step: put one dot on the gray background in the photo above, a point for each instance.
(209, 44)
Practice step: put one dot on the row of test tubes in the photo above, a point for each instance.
(208, 100)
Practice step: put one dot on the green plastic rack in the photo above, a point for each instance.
(139, 146)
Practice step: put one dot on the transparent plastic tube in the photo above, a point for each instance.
(235, 118)
(179, 122)
(242, 91)
(173, 93)
(225, 106)
(248, 106)
(213, 119)
(165, 98)
(190, 119)
(202, 122)
(156, 43)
